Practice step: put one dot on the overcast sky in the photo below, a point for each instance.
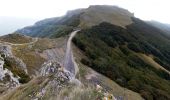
(40, 9)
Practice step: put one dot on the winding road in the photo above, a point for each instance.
(69, 62)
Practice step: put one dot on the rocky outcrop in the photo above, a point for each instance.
(7, 79)
(58, 78)
(5, 50)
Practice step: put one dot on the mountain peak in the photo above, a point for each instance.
(96, 14)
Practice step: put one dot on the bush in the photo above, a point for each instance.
(135, 47)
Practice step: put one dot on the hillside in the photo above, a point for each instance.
(119, 56)
(35, 67)
(99, 53)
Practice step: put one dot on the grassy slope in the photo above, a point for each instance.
(111, 51)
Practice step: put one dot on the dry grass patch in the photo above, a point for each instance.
(150, 61)
(32, 59)
(16, 38)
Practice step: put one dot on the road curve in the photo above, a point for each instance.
(69, 62)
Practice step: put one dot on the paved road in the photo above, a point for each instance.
(69, 62)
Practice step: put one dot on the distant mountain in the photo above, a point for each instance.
(11, 24)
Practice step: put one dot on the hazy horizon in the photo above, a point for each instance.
(11, 24)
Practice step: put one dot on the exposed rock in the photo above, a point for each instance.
(7, 77)
(6, 51)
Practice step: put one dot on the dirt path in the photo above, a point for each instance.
(15, 44)
(69, 62)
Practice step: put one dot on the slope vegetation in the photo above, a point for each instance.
(113, 51)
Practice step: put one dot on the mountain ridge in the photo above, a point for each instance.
(82, 18)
